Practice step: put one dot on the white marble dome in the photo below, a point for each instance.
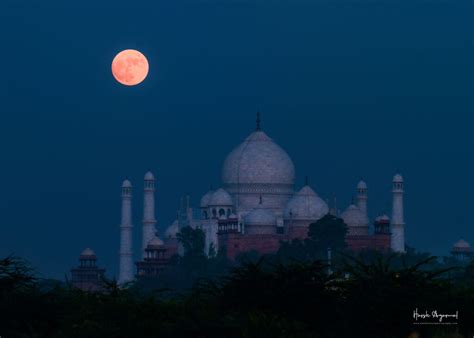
(462, 245)
(382, 218)
(353, 217)
(149, 176)
(220, 198)
(305, 205)
(88, 252)
(362, 185)
(260, 217)
(205, 199)
(155, 241)
(398, 178)
(172, 230)
(258, 160)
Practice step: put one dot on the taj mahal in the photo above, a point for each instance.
(255, 208)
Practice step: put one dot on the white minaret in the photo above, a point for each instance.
(149, 221)
(362, 200)
(397, 222)
(126, 226)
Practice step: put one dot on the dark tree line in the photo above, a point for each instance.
(293, 293)
(257, 299)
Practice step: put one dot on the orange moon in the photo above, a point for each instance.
(130, 67)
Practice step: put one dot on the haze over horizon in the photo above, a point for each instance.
(350, 89)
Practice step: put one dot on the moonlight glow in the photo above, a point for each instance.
(130, 67)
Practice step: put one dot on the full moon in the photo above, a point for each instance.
(130, 67)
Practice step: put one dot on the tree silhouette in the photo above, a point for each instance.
(328, 232)
(193, 241)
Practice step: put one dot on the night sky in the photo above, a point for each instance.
(350, 89)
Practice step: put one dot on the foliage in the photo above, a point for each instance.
(328, 232)
(192, 240)
(262, 298)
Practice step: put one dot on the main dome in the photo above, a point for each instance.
(258, 160)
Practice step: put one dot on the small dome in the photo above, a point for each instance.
(382, 218)
(220, 198)
(462, 245)
(149, 176)
(353, 217)
(260, 217)
(126, 184)
(306, 205)
(172, 230)
(88, 252)
(398, 178)
(362, 185)
(155, 241)
(205, 199)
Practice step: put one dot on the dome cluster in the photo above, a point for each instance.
(258, 197)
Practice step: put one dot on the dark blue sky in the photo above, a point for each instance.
(349, 88)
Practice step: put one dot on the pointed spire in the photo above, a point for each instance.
(258, 127)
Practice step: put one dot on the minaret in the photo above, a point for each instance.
(126, 226)
(397, 224)
(149, 221)
(362, 199)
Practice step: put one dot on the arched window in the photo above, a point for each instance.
(221, 212)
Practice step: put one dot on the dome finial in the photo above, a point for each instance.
(258, 120)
